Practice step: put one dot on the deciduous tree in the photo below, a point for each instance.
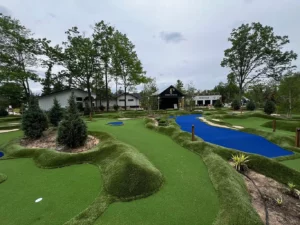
(256, 52)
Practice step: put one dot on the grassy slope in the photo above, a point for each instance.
(65, 192)
(187, 196)
(256, 122)
(294, 164)
(6, 137)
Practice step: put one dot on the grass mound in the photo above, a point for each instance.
(3, 178)
(283, 125)
(126, 173)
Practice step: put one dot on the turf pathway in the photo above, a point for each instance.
(231, 138)
(187, 196)
(294, 164)
(66, 192)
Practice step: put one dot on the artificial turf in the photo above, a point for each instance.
(256, 123)
(6, 137)
(187, 197)
(65, 192)
(294, 164)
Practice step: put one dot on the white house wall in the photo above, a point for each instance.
(46, 102)
(206, 98)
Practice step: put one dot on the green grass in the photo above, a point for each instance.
(294, 164)
(6, 137)
(235, 205)
(126, 174)
(187, 197)
(283, 125)
(256, 123)
(65, 192)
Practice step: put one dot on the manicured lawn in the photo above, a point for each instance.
(66, 192)
(6, 137)
(256, 122)
(294, 164)
(187, 196)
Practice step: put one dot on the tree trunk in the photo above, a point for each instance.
(125, 88)
(290, 103)
(90, 97)
(106, 88)
(116, 92)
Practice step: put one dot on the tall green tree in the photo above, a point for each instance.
(11, 93)
(256, 52)
(81, 59)
(190, 93)
(289, 94)
(103, 38)
(131, 70)
(19, 53)
(53, 56)
(148, 101)
(179, 86)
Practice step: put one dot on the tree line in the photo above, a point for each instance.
(87, 62)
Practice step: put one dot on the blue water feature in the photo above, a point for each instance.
(229, 138)
(1, 154)
(116, 123)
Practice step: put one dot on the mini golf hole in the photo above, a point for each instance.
(1, 154)
(38, 200)
(118, 123)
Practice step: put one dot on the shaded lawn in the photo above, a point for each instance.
(294, 164)
(66, 192)
(256, 122)
(6, 137)
(187, 197)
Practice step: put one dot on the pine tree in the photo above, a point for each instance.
(34, 120)
(56, 113)
(72, 131)
(270, 107)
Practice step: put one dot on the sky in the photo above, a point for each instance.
(175, 39)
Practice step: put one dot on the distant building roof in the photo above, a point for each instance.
(66, 90)
(136, 95)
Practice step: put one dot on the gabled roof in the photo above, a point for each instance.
(66, 90)
(136, 95)
(161, 91)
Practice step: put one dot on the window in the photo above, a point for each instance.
(79, 99)
(121, 100)
(130, 100)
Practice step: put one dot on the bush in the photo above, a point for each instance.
(72, 131)
(269, 107)
(87, 109)
(80, 106)
(56, 113)
(250, 106)
(116, 107)
(3, 112)
(236, 105)
(218, 104)
(102, 107)
(34, 121)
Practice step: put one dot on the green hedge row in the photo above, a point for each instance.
(283, 125)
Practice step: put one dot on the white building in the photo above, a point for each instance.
(132, 101)
(46, 101)
(205, 100)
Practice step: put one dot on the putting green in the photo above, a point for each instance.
(65, 191)
(256, 122)
(187, 197)
(294, 164)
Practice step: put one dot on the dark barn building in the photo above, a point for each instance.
(170, 98)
